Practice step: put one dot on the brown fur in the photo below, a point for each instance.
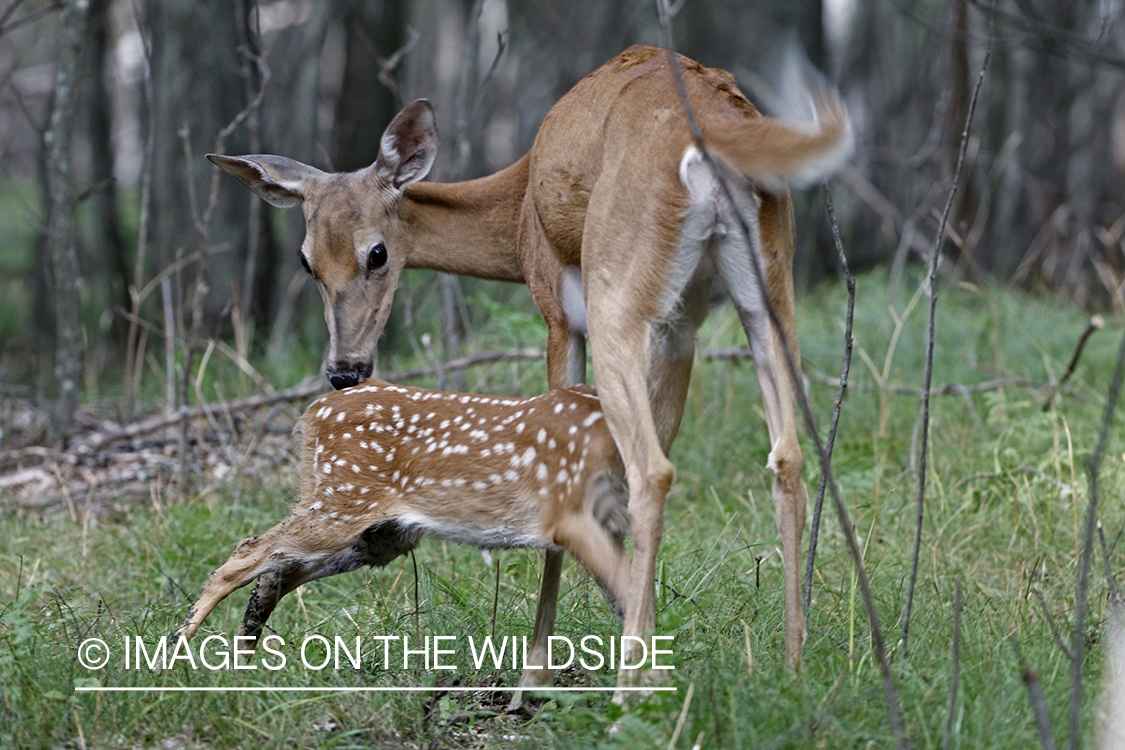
(383, 464)
(600, 191)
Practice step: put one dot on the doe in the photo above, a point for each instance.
(383, 464)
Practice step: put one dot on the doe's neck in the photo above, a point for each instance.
(467, 228)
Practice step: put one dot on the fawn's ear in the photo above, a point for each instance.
(279, 181)
(409, 146)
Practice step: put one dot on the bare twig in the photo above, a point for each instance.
(1093, 466)
(387, 66)
(486, 82)
(202, 222)
(94, 189)
(794, 373)
(849, 282)
(956, 657)
(1096, 322)
(1051, 624)
(254, 73)
(1038, 704)
(927, 378)
(9, 12)
(6, 25)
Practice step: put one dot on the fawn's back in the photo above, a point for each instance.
(489, 471)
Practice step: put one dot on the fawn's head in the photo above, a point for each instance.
(352, 245)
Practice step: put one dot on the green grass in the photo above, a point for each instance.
(1001, 529)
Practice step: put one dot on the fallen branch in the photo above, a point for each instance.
(304, 390)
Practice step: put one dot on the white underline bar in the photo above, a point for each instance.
(459, 689)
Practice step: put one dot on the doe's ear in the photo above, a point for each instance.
(279, 181)
(409, 146)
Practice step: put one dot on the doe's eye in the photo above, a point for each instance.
(377, 258)
(305, 263)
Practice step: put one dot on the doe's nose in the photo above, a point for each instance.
(345, 375)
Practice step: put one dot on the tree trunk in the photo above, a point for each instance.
(108, 246)
(60, 220)
(374, 32)
(198, 86)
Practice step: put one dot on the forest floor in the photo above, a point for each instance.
(97, 543)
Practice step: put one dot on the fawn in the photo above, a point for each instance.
(383, 464)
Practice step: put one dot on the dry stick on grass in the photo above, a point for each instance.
(1096, 322)
(849, 282)
(1093, 466)
(304, 390)
(927, 378)
(879, 645)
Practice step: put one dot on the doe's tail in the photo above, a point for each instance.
(809, 139)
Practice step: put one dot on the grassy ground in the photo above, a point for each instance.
(1005, 498)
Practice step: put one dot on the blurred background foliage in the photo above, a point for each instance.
(1041, 207)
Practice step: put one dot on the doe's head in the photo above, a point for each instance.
(354, 247)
